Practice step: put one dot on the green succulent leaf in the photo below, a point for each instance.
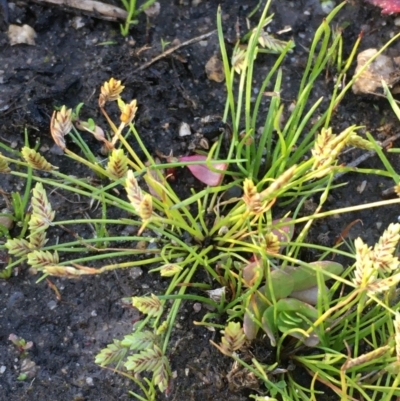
(280, 285)
(290, 315)
(306, 277)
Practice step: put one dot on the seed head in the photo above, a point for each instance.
(110, 91)
(61, 125)
(128, 110)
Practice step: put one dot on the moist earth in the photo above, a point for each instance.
(67, 66)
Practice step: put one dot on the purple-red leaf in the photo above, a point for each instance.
(202, 171)
(387, 6)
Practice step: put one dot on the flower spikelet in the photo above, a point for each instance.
(135, 194)
(4, 165)
(110, 91)
(117, 165)
(170, 269)
(35, 159)
(359, 142)
(128, 110)
(148, 305)
(321, 144)
(364, 272)
(272, 243)
(268, 41)
(328, 146)
(232, 340)
(64, 271)
(146, 360)
(375, 354)
(251, 196)
(278, 183)
(61, 125)
(37, 239)
(397, 189)
(43, 214)
(397, 335)
(379, 286)
(40, 258)
(161, 374)
(146, 207)
(382, 254)
(18, 246)
(239, 62)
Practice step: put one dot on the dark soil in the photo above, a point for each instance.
(68, 66)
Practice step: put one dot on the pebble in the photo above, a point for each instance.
(52, 305)
(135, 272)
(15, 297)
(2, 369)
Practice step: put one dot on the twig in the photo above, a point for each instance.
(96, 8)
(174, 48)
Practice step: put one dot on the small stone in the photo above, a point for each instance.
(2, 369)
(52, 305)
(78, 22)
(327, 6)
(184, 130)
(135, 272)
(6, 219)
(21, 34)
(197, 307)
(93, 313)
(89, 381)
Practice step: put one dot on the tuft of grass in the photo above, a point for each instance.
(133, 12)
(246, 245)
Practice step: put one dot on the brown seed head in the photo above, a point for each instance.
(61, 125)
(128, 110)
(110, 91)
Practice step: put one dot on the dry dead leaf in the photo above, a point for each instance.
(383, 67)
(215, 69)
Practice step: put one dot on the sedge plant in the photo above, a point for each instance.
(247, 246)
(133, 12)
